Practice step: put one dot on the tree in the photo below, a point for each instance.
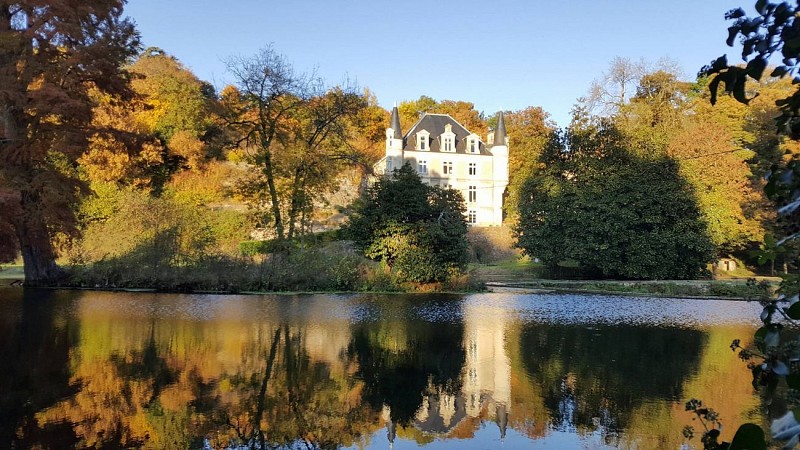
(170, 126)
(419, 231)
(411, 111)
(722, 183)
(665, 118)
(316, 149)
(291, 126)
(608, 94)
(51, 56)
(463, 112)
(613, 211)
(773, 31)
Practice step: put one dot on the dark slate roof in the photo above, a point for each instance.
(394, 124)
(434, 124)
(500, 132)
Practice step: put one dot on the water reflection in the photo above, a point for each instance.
(102, 370)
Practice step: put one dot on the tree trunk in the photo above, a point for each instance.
(35, 244)
(273, 194)
(297, 195)
(38, 256)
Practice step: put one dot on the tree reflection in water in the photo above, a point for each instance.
(402, 363)
(36, 338)
(597, 376)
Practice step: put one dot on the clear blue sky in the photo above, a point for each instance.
(501, 54)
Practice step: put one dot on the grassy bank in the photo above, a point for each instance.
(521, 275)
(10, 273)
(738, 289)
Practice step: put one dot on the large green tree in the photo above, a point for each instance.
(612, 209)
(51, 55)
(418, 230)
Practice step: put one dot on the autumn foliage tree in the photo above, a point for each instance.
(51, 56)
(290, 127)
(169, 126)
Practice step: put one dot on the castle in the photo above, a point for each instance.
(446, 154)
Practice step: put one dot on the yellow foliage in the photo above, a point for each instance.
(186, 145)
(105, 160)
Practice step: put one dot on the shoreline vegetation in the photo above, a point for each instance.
(509, 276)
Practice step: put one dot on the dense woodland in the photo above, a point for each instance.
(119, 167)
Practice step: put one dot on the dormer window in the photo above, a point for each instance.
(473, 143)
(422, 140)
(448, 139)
(447, 144)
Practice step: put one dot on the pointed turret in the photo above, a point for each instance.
(499, 151)
(391, 432)
(502, 420)
(500, 131)
(394, 143)
(394, 124)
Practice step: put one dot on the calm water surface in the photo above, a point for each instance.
(111, 370)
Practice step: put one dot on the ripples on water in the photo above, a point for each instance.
(542, 308)
(94, 369)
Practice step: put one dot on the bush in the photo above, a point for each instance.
(418, 231)
(253, 248)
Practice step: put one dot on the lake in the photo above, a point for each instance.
(115, 370)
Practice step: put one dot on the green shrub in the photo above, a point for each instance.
(418, 231)
(253, 248)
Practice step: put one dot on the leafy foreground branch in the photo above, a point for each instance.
(749, 436)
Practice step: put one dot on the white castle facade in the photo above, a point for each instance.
(445, 153)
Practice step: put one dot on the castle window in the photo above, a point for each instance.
(473, 146)
(447, 168)
(448, 144)
(422, 142)
(472, 217)
(388, 164)
(423, 166)
(473, 169)
(448, 139)
(472, 194)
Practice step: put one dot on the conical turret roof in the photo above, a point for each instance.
(394, 124)
(500, 131)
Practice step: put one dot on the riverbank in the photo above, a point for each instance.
(510, 276)
(11, 274)
(522, 277)
(716, 289)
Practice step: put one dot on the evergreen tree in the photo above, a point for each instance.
(417, 230)
(615, 212)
